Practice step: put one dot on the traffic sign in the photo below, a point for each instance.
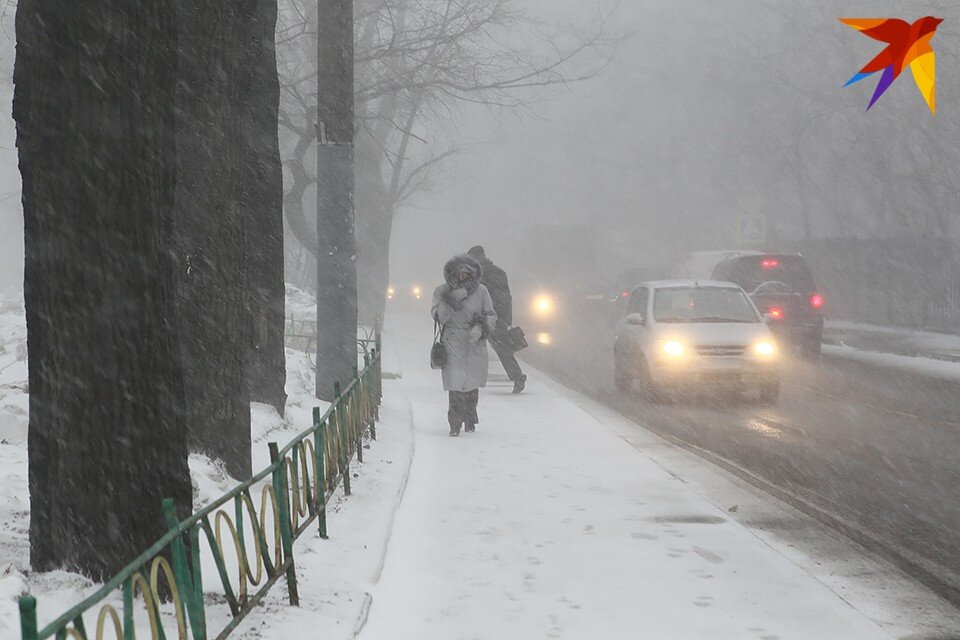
(752, 229)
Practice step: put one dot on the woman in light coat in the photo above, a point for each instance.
(463, 308)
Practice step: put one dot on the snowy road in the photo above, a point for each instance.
(863, 439)
(547, 524)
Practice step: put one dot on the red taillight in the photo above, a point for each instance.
(816, 301)
(624, 294)
(769, 263)
(776, 313)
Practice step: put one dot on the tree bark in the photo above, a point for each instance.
(304, 231)
(336, 251)
(374, 224)
(261, 197)
(211, 230)
(94, 106)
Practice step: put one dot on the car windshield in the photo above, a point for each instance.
(711, 304)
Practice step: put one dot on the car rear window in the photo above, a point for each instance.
(751, 271)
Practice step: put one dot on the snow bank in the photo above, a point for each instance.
(913, 364)
(300, 304)
(58, 590)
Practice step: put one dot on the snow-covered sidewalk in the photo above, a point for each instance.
(921, 353)
(546, 524)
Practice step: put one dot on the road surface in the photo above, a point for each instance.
(872, 449)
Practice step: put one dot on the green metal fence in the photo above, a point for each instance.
(246, 550)
(301, 334)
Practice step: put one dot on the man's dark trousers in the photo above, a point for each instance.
(507, 359)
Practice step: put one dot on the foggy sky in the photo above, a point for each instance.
(706, 114)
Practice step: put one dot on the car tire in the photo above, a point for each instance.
(769, 393)
(620, 378)
(650, 390)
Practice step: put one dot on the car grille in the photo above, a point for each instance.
(721, 350)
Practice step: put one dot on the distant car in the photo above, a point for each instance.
(678, 335)
(624, 284)
(537, 311)
(699, 265)
(783, 288)
(408, 295)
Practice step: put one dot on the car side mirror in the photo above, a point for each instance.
(636, 318)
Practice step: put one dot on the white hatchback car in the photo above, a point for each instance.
(682, 334)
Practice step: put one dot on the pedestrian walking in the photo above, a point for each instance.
(464, 311)
(495, 280)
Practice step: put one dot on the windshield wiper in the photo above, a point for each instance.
(672, 319)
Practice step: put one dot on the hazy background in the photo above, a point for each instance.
(710, 110)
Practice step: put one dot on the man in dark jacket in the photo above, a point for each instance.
(495, 280)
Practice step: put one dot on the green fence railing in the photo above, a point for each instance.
(247, 551)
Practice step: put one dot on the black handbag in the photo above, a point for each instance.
(514, 339)
(438, 352)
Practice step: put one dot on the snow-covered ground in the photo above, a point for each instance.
(556, 519)
(335, 576)
(918, 352)
(920, 365)
(56, 591)
(545, 523)
(892, 339)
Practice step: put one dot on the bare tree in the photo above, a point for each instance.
(415, 63)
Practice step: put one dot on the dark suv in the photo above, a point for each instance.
(783, 289)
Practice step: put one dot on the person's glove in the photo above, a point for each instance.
(476, 332)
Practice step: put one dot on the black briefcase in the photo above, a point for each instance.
(514, 339)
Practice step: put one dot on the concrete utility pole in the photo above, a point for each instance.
(336, 250)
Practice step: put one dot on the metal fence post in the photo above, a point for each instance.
(371, 391)
(344, 457)
(356, 420)
(129, 633)
(320, 453)
(286, 537)
(28, 617)
(183, 575)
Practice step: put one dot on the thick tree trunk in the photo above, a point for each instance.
(336, 252)
(372, 244)
(211, 230)
(374, 227)
(305, 231)
(261, 196)
(94, 105)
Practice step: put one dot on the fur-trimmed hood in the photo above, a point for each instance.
(458, 262)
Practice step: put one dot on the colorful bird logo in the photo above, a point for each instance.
(907, 44)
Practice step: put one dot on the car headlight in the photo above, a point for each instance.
(543, 305)
(765, 349)
(673, 349)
